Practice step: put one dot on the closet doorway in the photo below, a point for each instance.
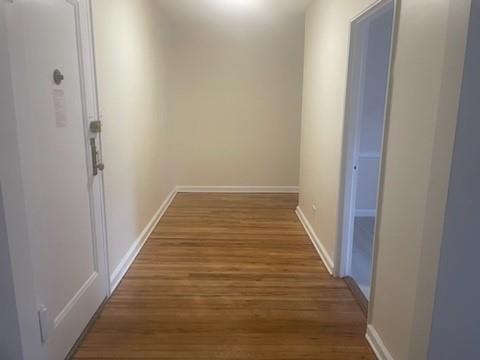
(368, 80)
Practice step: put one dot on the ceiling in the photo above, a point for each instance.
(215, 10)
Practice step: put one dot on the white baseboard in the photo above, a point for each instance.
(132, 253)
(327, 260)
(237, 189)
(377, 344)
(365, 212)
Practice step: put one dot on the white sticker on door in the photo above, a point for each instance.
(59, 108)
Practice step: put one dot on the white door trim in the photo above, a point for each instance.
(93, 113)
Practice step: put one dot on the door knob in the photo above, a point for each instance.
(58, 77)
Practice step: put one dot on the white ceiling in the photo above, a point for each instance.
(214, 10)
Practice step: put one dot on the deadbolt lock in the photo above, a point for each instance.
(96, 127)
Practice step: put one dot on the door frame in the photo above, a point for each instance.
(351, 133)
(16, 220)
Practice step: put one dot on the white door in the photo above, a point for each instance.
(63, 197)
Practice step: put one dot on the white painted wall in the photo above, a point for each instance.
(131, 41)
(10, 345)
(427, 76)
(455, 328)
(16, 274)
(425, 92)
(327, 32)
(235, 101)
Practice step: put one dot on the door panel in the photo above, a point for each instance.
(63, 198)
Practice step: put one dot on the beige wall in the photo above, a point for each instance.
(427, 76)
(131, 46)
(327, 33)
(235, 101)
(426, 83)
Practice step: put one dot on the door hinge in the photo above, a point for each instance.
(43, 320)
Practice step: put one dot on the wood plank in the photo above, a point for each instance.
(229, 276)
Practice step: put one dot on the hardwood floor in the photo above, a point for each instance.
(229, 276)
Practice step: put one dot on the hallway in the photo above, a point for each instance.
(229, 276)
